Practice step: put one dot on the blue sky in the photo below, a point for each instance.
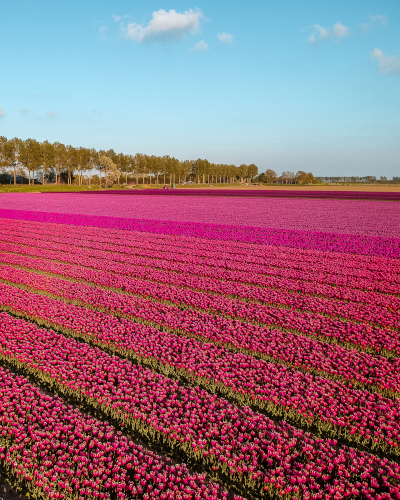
(288, 85)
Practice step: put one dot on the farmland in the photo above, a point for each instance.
(199, 347)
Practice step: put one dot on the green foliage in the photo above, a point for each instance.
(60, 163)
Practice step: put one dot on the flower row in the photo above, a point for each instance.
(246, 449)
(303, 353)
(212, 315)
(234, 280)
(232, 220)
(222, 253)
(56, 451)
(273, 267)
(326, 405)
(128, 266)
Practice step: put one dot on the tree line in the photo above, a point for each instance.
(271, 177)
(59, 163)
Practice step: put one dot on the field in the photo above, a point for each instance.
(187, 347)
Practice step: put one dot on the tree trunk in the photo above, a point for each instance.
(15, 176)
(29, 177)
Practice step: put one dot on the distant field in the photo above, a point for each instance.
(324, 187)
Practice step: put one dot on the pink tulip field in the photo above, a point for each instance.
(148, 352)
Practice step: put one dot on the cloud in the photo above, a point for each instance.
(388, 65)
(51, 114)
(24, 111)
(323, 33)
(337, 31)
(201, 46)
(166, 26)
(103, 32)
(225, 37)
(1, 111)
(116, 18)
(376, 19)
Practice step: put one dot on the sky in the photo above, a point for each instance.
(287, 85)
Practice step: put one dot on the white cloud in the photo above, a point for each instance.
(376, 19)
(166, 26)
(225, 37)
(116, 18)
(201, 46)
(1, 111)
(388, 65)
(103, 32)
(51, 114)
(339, 30)
(324, 34)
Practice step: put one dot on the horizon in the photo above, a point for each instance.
(284, 86)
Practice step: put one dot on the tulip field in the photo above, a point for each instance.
(148, 352)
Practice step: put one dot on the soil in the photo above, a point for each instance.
(8, 493)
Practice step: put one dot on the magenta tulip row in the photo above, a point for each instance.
(230, 279)
(312, 401)
(248, 447)
(233, 249)
(236, 290)
(272, 268)
(346, 293)
(278, 193)
(310, 324)
(313, 240)
(305, 323)
(230, 253)
(303, 353)
(57, 452)
(134, 265)
(364, 218)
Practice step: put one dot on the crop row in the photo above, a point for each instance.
(215, 320)
(272, 268)
(305, 323)
(100, 260)
(56, 452)
(328, 406)
(234, 282)
(354, 367)
(347, 265)
(124, 239)
(296, 238)
(244, 277)
(247, 449)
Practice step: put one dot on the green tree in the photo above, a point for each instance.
(31, 155)
(252, 171)
(111, 173)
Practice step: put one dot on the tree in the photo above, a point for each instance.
(30, 155)
(47, 155)
(111, 173)
(243, 171)
(270, 175)
(304, 178)
(9, 154)
(60, 159)
(252, 170)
